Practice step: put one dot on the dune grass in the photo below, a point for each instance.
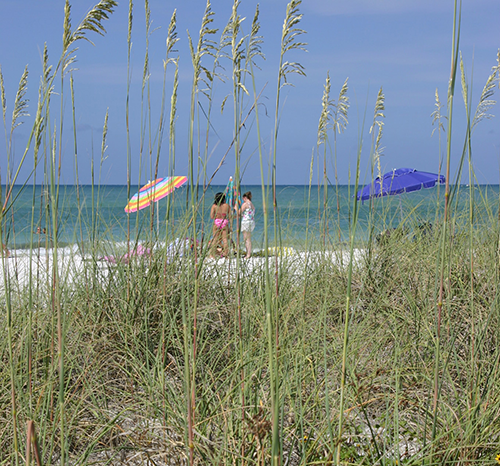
(126, 346)
(386, 355)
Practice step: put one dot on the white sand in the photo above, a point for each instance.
(15, 270)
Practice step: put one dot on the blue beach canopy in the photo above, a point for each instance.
(399, 181)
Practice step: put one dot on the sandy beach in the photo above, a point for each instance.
(38, 263)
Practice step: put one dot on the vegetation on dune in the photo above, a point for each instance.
(390, 356)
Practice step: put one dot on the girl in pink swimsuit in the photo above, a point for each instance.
(220, 214)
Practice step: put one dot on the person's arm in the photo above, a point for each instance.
(212, 212)
(243, 207)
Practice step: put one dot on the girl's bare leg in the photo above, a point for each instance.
(247, 236)
(215, 242)
(224, 242)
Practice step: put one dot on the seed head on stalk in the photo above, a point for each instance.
(289, 42)
(20, 104)
(93, 22)
(378, 125)
(205, 46)
(254, 45)
(485, 101)
(436, 114)
(340, 110)
(325, 116)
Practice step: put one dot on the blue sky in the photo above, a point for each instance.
(399, 45)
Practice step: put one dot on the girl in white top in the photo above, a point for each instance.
(247, 212)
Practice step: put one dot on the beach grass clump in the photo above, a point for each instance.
(125, 357)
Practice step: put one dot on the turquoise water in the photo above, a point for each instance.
(100, 214)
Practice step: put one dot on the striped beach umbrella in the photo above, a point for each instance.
(153, 192)
(233, 197)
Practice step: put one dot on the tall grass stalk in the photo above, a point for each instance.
(20, 111)
(347, 317)
(236, 43)
(340, 121)
(172, 40)
(127, 109)
(324, 120)
(206, 109)
(146, 137)
(171, 149)
(289, 42)
(232, 37)
(376, 132)
(77, 178)
(267, 276)
(10, 340)
(466, 94)
(31, 299)
(323, 127)
(204, 47)
(437, 116)
(311, 172)
(375, 154)
(201, 75)
(481, 113)
(444, 231)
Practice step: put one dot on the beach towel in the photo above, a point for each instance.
(138, 251)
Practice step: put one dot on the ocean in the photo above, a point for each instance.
(91, 214)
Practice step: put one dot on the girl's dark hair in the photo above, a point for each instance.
(248, 195)
(220, 198)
